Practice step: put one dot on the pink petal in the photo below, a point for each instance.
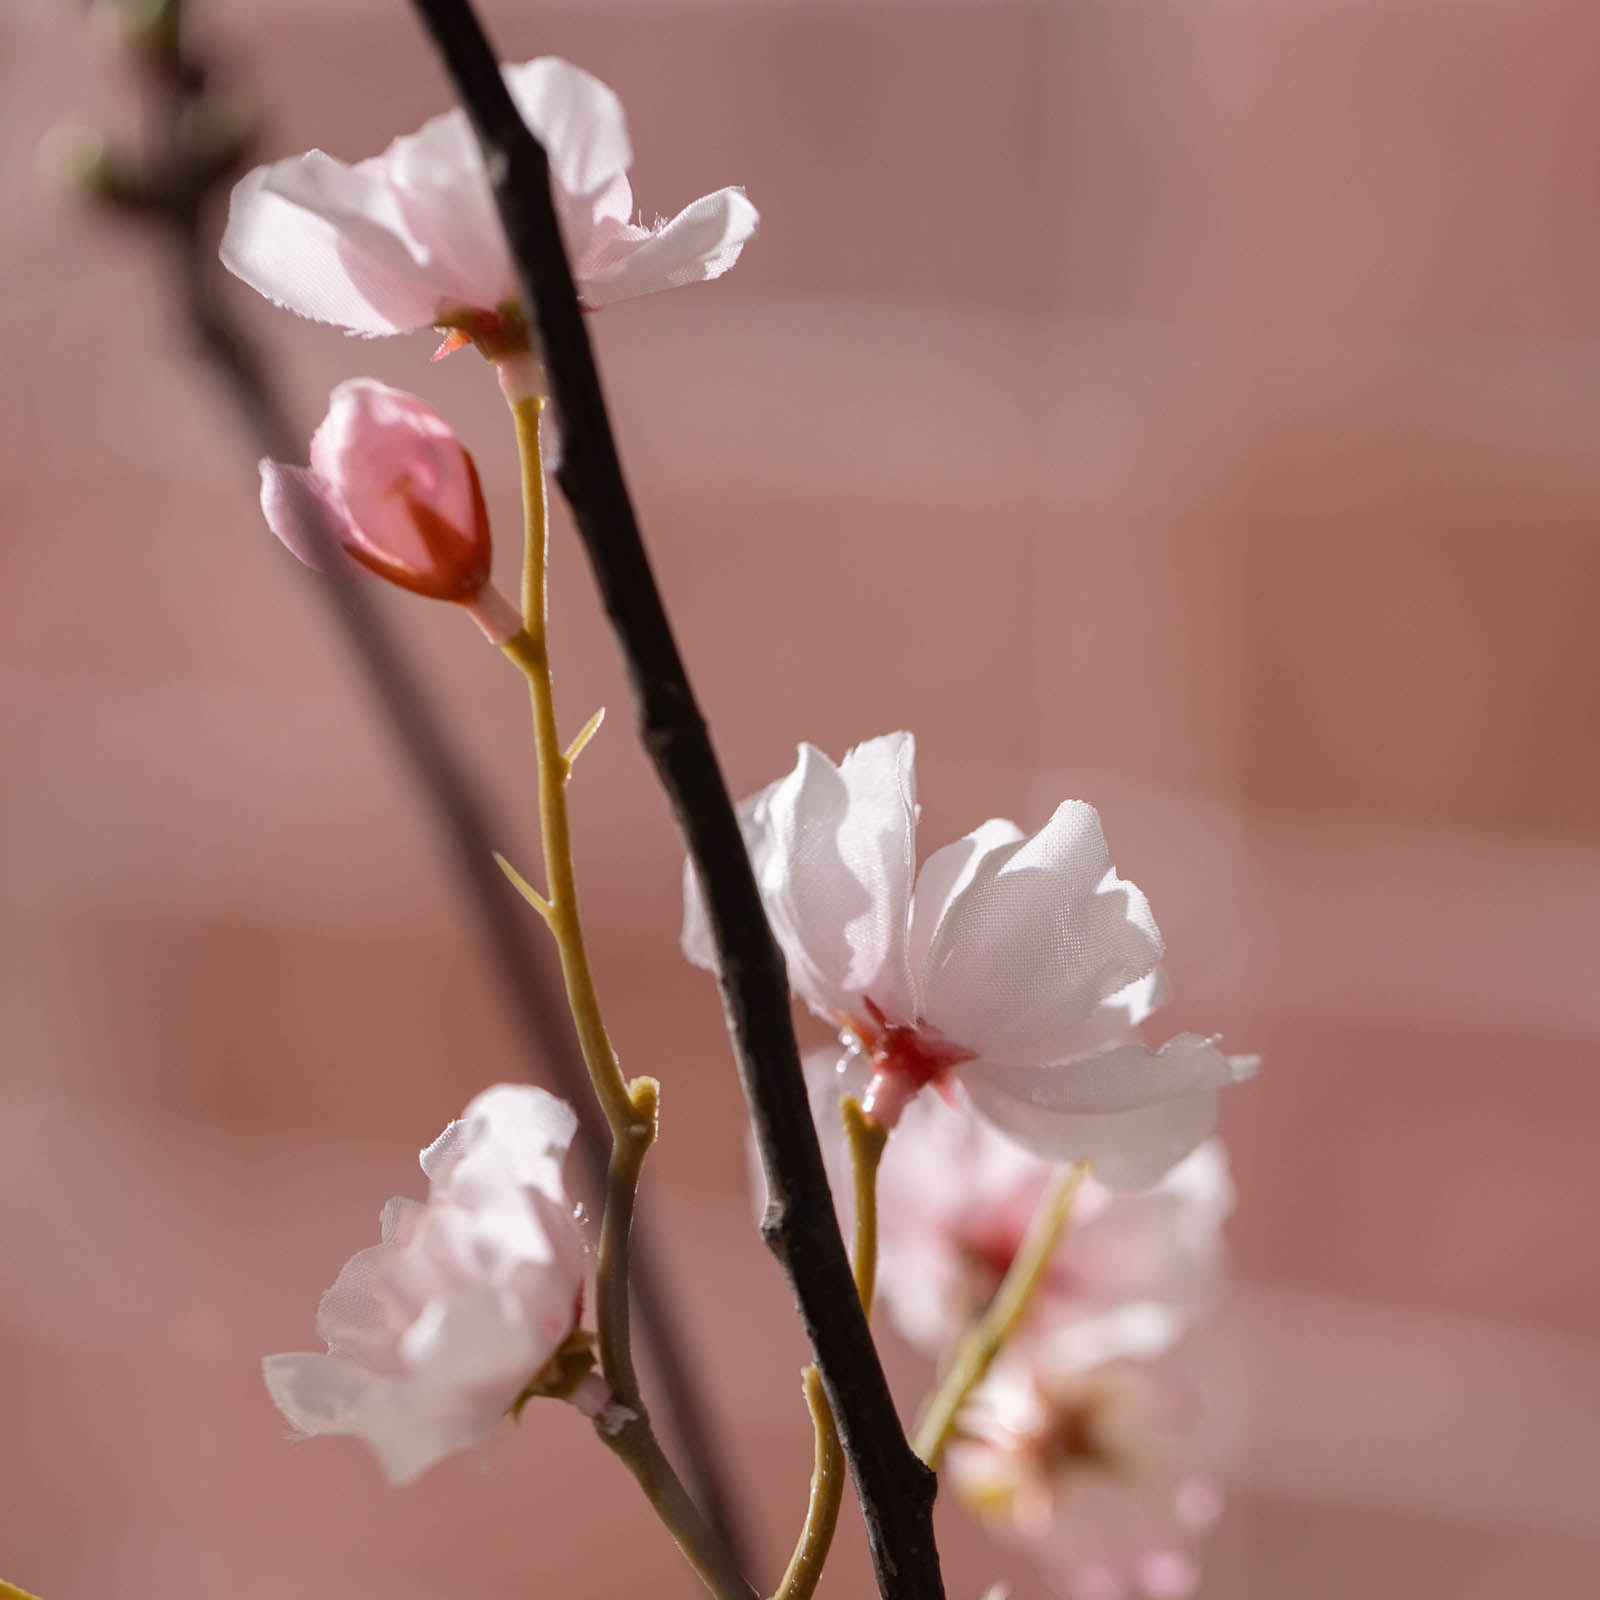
(304, 512)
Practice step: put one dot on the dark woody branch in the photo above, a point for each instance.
(895, 1489)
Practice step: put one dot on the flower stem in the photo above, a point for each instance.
(976, 1352)
(630, 1108)
(866, 1136)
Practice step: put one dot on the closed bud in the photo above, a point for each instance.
(392, 489)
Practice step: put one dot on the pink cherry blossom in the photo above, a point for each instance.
(392, 490)
(1095, 1471)
(1132, 1273)
(436, 1331)
(410, 238)
(1012, 964)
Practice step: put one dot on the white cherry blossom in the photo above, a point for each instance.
(410, 238)
(1133, 1270)
(1012, 964)
(436, 1331)
(1097, 1472)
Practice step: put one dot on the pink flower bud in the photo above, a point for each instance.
(391, 488)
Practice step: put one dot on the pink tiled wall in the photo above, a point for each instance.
(1186, 405)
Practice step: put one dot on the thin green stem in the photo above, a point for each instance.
(866, 1137)
(984, 1341)
(529, 649)
(630, 1108)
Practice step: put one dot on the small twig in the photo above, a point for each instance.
(175, 191)
(866, 1137)
(895, 1489)
(631, 1109)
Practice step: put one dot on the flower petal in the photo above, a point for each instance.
(702, 242)
(577, 119)
(330, 242)
(511, 1134)
(1133, 1112)
(837, 876)
(441, 190)
(304, 512)
(318, 1394)
(944, 875)
(1041, 934)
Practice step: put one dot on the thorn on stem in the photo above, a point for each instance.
(585, 734)
(526, 889)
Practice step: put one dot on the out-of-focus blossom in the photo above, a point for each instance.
(410, 238)
(1095, 1471)
(1013, 964)
(1131, 1274)
(390, 489)
(467, 1304)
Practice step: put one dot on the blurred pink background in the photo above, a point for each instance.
(1186, 405)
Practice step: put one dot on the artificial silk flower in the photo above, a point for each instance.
(1013, 965)
(1131, 1274)
(410, 238)
(391, 490)
(1095, 1471)
(468, 1304)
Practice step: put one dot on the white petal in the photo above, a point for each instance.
(411, 1424)
(702, 242)
(437, 178)
(577, 119)
(837, 878)
(328, 242)
(360, 1317)
(318, 1394)
(1133, 1112)
(1041, 934)
(513, 1133)
(944, 875)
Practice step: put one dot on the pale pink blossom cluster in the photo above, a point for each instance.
(465, 1305)
(1082, 1442)
(1010, 968)
(1007, 974)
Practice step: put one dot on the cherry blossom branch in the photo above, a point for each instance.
(630, 1108)
(198, 147)
(975, 1355)
(895, 1490)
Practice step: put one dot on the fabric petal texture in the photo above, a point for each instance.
(701, 243)
(411, 237)
(1042, 933)
(434, 1332)
(327, 243)
(834, 867)
(1132, 1131)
